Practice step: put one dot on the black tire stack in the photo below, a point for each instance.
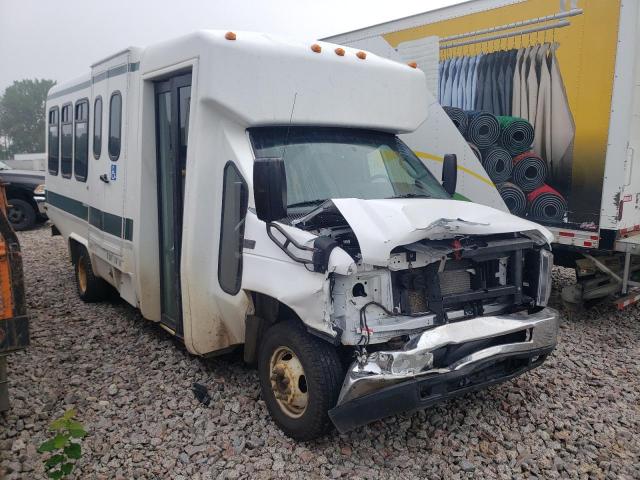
(503, 146)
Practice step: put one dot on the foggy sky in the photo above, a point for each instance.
(60, 39)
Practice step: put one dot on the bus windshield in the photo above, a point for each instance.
(323, 163)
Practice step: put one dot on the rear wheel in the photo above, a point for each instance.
(300, 378)
(21, 214)
(90, 287)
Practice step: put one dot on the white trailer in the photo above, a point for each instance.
(243, 190)
(597, 47)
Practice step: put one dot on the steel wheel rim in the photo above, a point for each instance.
(16, 215)
(82, 276)
(288, 382)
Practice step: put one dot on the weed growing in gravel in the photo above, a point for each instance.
(65, 445)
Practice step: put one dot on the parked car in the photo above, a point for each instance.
(25, 195)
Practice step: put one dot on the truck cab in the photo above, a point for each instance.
(254, 192)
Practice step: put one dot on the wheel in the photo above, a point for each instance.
(90, 287)
(300, 377)
(21, 214)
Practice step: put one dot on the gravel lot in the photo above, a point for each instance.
(578, 416)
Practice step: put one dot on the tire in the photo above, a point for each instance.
(90, 287)
(21, 214)
(285, 347)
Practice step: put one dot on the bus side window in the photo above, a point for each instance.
(115, 125)
(97, 128)
(66, 144)
(81, 140)
(53, 141)
(235, 198)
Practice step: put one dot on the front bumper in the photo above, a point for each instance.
(444, 362)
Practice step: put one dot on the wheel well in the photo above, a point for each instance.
(21, 195)
(75, 249)
(267, 312)
(272, 310)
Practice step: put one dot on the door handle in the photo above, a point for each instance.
(104, 178)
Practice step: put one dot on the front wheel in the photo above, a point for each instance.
(300, 378)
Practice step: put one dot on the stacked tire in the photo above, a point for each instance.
(503, 146)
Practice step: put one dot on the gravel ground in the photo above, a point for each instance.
(578, 416)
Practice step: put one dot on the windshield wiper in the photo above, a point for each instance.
(412, 195)
(307, 203)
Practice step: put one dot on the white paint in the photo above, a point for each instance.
(425, 52)
(382, 225)
(254, 80)
(622, 167)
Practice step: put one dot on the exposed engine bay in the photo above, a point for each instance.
(425, 283)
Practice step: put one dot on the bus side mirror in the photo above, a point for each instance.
(450, 173)
(270, 188)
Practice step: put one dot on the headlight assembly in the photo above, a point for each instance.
(544, 281)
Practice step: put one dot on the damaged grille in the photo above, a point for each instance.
(474, 274)
(454, 281)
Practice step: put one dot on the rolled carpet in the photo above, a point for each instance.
(529, 171)
(483, 129)
(513, 197)
(546, 204)
(516, 134)
(476, 151)
(497, 163)
(458, 117)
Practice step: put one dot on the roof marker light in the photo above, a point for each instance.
(361, 55)
(413, 64)
(340, 52)
(230, 36)
(316, 48)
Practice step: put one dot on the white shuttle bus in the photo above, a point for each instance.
(242, 190)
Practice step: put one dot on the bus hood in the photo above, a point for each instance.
(382, 225)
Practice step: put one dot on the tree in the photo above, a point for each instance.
(22, 116)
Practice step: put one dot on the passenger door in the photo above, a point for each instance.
(172, 98)
(108, 229)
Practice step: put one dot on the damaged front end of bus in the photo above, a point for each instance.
(433, 297)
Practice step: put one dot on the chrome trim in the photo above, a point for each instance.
(384, 368)
(40, 202)
(544, 282)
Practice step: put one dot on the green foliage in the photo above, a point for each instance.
(22, 116)
(65, 445)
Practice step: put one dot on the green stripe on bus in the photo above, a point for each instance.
(105, 221)
(112, 72)
(70, 205)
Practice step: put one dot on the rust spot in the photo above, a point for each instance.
(230, 36)
(361, 55)
(340, 52)
(316, 48)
